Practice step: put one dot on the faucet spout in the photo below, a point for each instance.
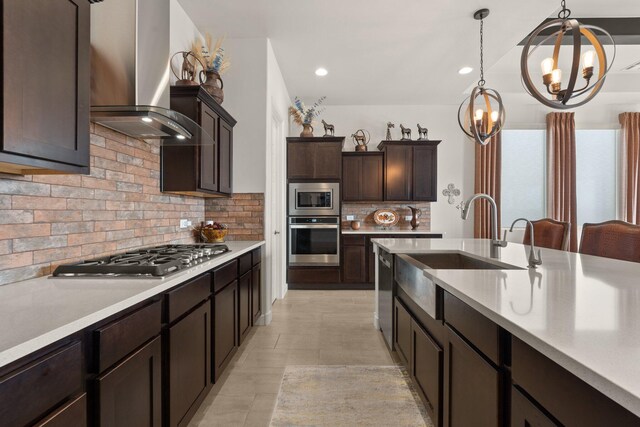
(496, 243)
(534, 260)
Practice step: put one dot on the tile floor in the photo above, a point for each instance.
(308, 328)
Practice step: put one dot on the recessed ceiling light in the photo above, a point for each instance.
(321, 72)
(147, 119)
(181, 137)
(465, 70)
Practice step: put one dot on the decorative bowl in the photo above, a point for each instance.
(212, 235)
(386, 217)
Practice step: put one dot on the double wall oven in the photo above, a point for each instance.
(314, 224)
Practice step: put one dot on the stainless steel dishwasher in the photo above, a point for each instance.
(385, 295)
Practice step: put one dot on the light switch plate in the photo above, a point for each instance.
(351, 217)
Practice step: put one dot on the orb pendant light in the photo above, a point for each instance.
(557, 94)
(481, 115)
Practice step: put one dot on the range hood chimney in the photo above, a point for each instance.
(130, 72)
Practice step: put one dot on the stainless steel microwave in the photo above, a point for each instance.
(314, 198)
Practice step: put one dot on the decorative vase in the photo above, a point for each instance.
(355, 225)
(361, 147)
(214, 85)
(307, 131)
(415, 214)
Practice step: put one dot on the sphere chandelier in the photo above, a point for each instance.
(557, 95)
(482, 114)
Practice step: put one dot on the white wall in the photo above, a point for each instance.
(455, 152)
(182, 31)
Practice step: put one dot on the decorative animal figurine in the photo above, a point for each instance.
(188, 70)
(422, 132)
(406, 133)
(389, 126)
(328, 129)
(361, 138)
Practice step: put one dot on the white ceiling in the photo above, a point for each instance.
(403, 52)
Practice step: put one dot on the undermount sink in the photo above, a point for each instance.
(457, 261)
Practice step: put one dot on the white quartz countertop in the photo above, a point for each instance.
(38, 312)
(393, 230)
(581, 311)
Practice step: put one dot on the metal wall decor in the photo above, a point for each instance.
(557, 96)
(451, 192)
(422, 133)
(406, 133)
(329, 129)
(361, 139)
(482, 114)
(389, 127)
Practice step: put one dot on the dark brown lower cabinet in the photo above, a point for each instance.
(130, 394)
(244, 312)
(471, 386)
(225, 329)
(189, 353)
(426, 370)
(525, 414)
(402, 332)
(256, 293)
(354, 264)
(72, 414)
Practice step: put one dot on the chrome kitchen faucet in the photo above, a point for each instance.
(496, 243)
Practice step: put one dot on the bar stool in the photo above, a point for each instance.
(549, 233)
(611, 239)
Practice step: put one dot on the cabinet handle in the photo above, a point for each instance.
(276, 232)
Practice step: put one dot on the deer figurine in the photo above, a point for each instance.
(389, 127)
(422, 132)
(328, 129)
(406, 133)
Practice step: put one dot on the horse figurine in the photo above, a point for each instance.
(389, 126)
(188, 70)
(406, 133)
(422, 132)
(328, 129)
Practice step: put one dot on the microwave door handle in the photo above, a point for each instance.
(327, 226)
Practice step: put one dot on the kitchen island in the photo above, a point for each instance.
(580, 312)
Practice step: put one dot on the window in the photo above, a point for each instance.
(523, 175)
(596, 173)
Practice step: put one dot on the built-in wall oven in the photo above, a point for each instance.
(314, 241)
(314, 198)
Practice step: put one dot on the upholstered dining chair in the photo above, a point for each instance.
(549, 233)
(611, 239)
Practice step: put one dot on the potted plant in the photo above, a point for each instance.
(304, 116)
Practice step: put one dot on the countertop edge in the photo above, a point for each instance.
(391, 232)
(32, 345)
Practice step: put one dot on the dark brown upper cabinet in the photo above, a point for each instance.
(411, 170)
(362, 177)
(203, 170)
(315, 158)
(45, 117)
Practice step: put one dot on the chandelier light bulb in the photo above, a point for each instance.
(547, 66)
(556, 76)
(588, 58)
(479, 114)
(494, 116)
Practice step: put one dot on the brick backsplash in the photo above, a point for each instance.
(364, 213)
(47, 220)
(243, 213)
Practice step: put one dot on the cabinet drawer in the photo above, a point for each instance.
(73, 414)
(426, 369)
(224, 275)
(477, 329)
(40, 386)
(256, 256)
(121, 337)
(314, 275)
(351, 240)
(187, 296)
(244, 264)
(525, 414)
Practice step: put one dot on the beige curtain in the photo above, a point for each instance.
(487, 180)
(631, 170)
(561, 172)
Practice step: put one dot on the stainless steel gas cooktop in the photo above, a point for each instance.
(159, 261)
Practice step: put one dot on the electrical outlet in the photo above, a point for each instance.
(184, 223)
(351, 217)
(407, 217)
(189, 223)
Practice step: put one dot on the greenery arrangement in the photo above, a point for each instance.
(212, 56)
(303, 115)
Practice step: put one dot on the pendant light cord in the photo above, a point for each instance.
(481, 82)
(564, 13)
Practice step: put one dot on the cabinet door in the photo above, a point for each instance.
(471, 386)
(426, 369)
(525, 414)
(398, 173)
(300, 162)
(425, 173)
(353, 264)
(372, 178)
(130, 393)
(256, 293)
(327, 160)
(244, 298)
(225, 321)
(225, 163)
(352, 178)
(208, 179)
(402, 332)
(73, 414)
(46, 116)
(189, 344)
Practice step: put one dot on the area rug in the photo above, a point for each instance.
(348, 396)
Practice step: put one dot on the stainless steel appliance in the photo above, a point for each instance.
(314, 198)
(159, 261)
(385, 295)
(314, 241)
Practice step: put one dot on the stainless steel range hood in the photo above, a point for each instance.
(130, 72)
